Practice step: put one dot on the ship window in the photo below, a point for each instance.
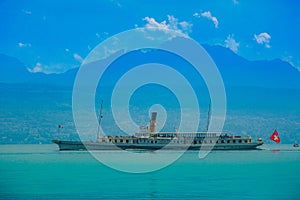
(121, 140)
(127, 141)
(151, 141)
(228, 141)
(223, 141)
(240, 141)
(210, 141)
(155, 141)
(233, 141)
(217, 141)
(246, 141)
(115, 141)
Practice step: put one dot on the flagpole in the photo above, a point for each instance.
(208, 116)
(99, 121)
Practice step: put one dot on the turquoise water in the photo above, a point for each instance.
(42, 172)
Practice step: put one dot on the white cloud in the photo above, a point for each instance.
(52, 68)
(197, 15)
(263, 38)
(37, 68)
(209, 16)
(27, 12)
(183, 27)
(67, 50)
(292, 61)
(78, 57)
(152, 23)
(186, 26)
(232, 44)
(173, 22)
(21, 44)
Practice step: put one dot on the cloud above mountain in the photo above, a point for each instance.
(22, 45)
(172, 23)
(263, 38)
(209, 16)
(37, 68)
(231, 43)
(78, 57)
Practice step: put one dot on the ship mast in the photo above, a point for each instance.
(208, 115)
(99, 121)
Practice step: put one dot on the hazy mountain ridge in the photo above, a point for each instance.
(12, 71)
(238, 71)
(235, 70)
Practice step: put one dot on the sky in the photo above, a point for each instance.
(54, 36)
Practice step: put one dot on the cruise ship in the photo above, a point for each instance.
(147, 138)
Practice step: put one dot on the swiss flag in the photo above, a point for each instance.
(275, 137)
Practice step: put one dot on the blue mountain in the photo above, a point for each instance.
(235, 70)
(12, 71)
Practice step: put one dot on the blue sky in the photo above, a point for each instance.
(54, 36)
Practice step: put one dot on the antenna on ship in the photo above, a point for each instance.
(208, 115)
(99, 120)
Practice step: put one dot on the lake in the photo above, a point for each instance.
(43, 172)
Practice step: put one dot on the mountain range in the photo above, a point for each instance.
(236, 71)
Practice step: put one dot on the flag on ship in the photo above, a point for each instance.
(275, 137)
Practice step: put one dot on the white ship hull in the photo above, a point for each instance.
(78, 145)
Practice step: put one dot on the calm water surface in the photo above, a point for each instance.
(41, 171)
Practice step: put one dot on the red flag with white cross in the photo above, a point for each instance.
(275, 137)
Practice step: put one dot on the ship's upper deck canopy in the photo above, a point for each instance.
(180, 134)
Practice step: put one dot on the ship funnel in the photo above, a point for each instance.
(153, 122)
